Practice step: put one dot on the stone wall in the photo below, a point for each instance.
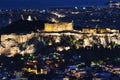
(21, 38)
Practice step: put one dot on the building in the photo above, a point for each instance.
(114, 4)
(89, 30)
(29, 18)
(62, 26)
(99, 30)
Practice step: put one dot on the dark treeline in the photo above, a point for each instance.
(23, 27)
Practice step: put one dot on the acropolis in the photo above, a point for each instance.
(55, 31)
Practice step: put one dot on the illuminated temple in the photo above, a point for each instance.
(54, 27)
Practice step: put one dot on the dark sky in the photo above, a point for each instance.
(44, 4)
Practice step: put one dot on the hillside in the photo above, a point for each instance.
(23, 27)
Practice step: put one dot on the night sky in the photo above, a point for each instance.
(44, 4)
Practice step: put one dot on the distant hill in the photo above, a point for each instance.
(23, 27)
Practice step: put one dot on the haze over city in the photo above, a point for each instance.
(45, 4)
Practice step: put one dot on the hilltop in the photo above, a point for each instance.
(23, 26)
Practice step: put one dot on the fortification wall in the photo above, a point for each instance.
(18, 38)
